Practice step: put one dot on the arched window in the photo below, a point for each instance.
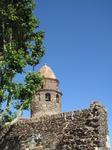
(57, 98)
(47, 96)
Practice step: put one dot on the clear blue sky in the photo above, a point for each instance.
(78, 40)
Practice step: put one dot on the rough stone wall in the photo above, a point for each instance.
(42, 107)
(103, 128)
(52, 84)
(77, 130)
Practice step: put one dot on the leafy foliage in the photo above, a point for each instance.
(20, 46)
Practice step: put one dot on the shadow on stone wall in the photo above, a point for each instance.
(78, 130)
(7, 142)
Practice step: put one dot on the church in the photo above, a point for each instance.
(49, 129)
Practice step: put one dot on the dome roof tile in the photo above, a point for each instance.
(47, 72)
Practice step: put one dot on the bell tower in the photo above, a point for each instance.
(48, 98)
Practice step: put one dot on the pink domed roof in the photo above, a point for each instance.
(47, 72)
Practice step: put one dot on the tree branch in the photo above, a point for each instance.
(15, 120)
(7, 107)
(1, 58)
(3, 36)
(10, 40)
(3, 41)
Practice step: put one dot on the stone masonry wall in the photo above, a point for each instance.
(78, 130)
(43, 108)
(51, 84)
(103, 128)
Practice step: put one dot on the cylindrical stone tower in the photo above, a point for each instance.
(47, 100)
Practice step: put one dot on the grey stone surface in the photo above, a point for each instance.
(84, 129)
(49, 129)
(44, 107)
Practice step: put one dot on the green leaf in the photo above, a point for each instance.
(23, 47)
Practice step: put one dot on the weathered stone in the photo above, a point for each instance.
(58, 133)
(77, 130)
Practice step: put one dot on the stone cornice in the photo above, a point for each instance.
(50, 90)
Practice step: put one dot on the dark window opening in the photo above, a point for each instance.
(47, 97)
(57, 98)
(42, 86)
